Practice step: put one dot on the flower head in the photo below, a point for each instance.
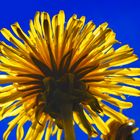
(120, 131)
(61, 74)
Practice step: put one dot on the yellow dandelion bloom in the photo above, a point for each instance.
(120, 131)
(61, 74)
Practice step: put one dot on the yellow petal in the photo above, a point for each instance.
(7, 34)
(12, 124)
(88, 118)
(8, 79)
(59, 134)
(20, 129)
(129, 71)
(54, 130)
(48, 131)
(19, 32)
(114, 114)
(111, 100)
(37, 24)
(98, 122)
(31, 131)
(130, 81)
(6, 88)
(125, 61)
(33, 30)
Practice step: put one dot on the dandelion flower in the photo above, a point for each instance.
(63, 74)
(120, 131)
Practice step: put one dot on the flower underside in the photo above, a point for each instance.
(61, 74)
(119, 131)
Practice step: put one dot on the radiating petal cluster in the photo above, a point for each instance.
(60, 63)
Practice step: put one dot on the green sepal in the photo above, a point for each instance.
(78, 109)
(38, 112)
(94, 104)
(59, 123)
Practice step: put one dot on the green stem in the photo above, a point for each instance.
(67, 115)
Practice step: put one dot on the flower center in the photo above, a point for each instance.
(62, 91)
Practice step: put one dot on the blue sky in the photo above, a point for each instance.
(123, 17)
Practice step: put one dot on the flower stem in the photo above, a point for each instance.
(67, 115)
